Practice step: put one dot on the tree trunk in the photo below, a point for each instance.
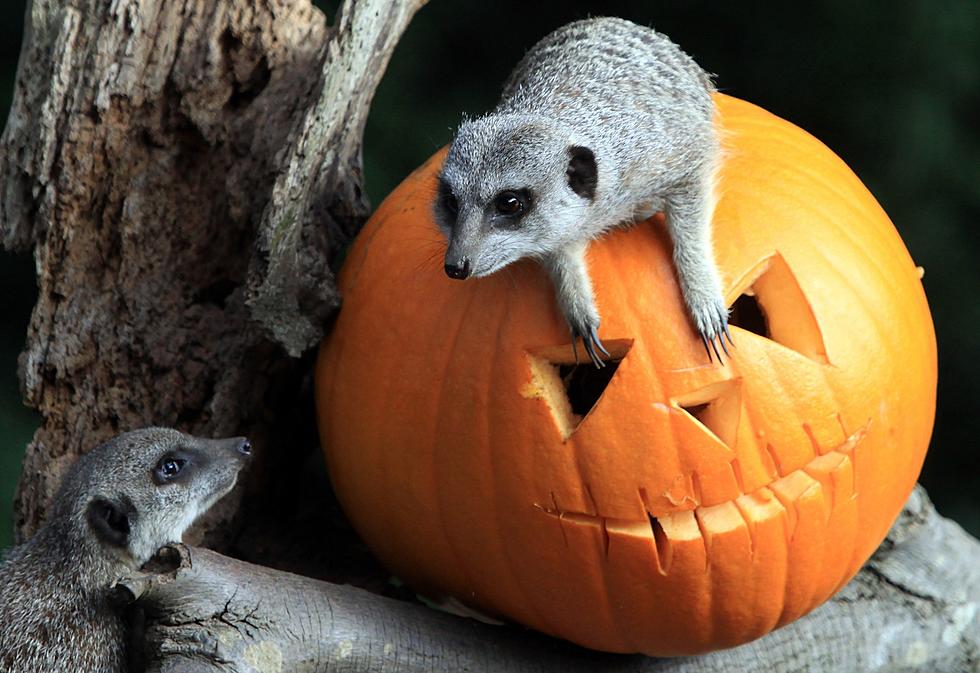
(185, 171)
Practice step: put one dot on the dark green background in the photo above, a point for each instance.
(892, 87)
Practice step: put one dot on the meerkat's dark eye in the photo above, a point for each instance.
(447, 198)
(168, 468)
(509, 203)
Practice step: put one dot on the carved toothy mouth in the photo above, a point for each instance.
(831, 473)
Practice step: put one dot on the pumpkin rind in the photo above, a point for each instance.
(641, 528)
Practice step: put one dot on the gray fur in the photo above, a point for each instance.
(644, 109)
(55, 612)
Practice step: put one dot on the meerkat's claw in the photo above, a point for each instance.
(590, 340)
(713, 341)
(713, 332)
(590, 349)
(714, 347)
(728, 335)
(594, 335)
(721, 341)
(711, 347)
(587, 329)
(707, 348)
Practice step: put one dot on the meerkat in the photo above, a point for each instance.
(117, 505)
(603, 123)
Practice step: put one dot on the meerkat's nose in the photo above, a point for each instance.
(460, 270)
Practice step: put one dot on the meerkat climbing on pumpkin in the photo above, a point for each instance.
(603, 123)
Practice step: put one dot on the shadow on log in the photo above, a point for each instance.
(913, 607)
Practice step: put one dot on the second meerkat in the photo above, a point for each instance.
(602, 123)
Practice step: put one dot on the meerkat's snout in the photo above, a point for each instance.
(462, 251)
(458, 269)
(240, 448)
(243, 446)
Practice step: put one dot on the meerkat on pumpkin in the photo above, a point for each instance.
(603, 123)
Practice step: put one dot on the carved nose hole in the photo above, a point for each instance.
(717, 407)
(697, 410)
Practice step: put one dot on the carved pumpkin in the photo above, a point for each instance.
(668, 504)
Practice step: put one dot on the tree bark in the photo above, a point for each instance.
(913, 607)
(318, 201)
(184, 171)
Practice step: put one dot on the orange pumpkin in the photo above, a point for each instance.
(677, 505)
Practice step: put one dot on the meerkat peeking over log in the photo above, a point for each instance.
(603, 123)
(117, 505)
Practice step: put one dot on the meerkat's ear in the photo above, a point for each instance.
(111, 520)
(583, 174)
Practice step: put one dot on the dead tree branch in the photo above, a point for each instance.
(318, 201)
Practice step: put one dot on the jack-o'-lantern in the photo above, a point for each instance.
(669, 503)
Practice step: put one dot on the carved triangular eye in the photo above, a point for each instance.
(584, 384)
(747, 314)
(773, 305)
(571, 389)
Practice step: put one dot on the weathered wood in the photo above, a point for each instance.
(913, 607)
(145, 141)
(318, 199)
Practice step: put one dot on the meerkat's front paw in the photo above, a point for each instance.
(711, 321)
(587, 327)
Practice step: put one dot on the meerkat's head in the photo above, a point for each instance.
(143, 489)
(512, 186)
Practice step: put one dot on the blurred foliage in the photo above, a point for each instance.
(892, 87)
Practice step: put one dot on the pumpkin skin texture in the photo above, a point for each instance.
(696, 506)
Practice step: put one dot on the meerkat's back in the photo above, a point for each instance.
(634, 96)
(605, 66)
